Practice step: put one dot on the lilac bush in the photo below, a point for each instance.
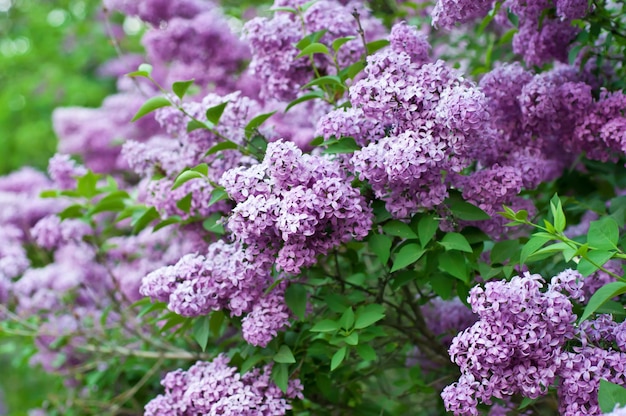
(322, 208)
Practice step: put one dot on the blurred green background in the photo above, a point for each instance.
(50, 52)
(49, 56)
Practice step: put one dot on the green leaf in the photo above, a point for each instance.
(352, 339)
(73, 211)
(366, 352)
(407, 255)
(174, 219)
(312, 38)
(610, 396)
(254, 124)
(332, 80)
(218, 194)
(250, 362)
(338, 358)
(114, 205)
(453, 262)
(313, 48)
(202, 168)
(339, 42)
(212, 225)
(145, 68)
(456, 241)
(225, 145)
(587, 264)
(149, 106)
(351, 71)
(368, 315)
(602, 295)
(380, 245)
(186, 176)
(296, 299)
(86, 185)
(556, 208)
(214, 114)
(200, 331)
(504, 250)
(603, 234)
(426, 229)
(185, 203)
(347, 319)
(284, 355)
(216, 321)
(180, 87)
(466, 211)
(532, 245)
(280, 376)
(196, 125)
(343, 145)
(376, 45)
(325, 325)
(145, 219)
(399, 229)
(305, 97)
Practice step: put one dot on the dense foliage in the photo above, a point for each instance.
(333, 207)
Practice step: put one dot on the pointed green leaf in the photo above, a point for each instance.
(610, 396)
(380, 245)
(467, 212)
(376, 45)
(399, 229)
(602, 295)
(306, 97)
(456, 241)
(347, 319)
(185, 177)
(280, 376)
(453, 262)
(593, 260)
(426, 229)
(200, 331)
(325, 325)
(254, 124)
(225, 145)
(185, 203)
(343, 145)
(352, 339)
(213, 223)
(218, 194)
(214, 114)
(339, 42)
(368, 315)
(338, 358)
(284, 355)
(180, 87)
(532, 245)
(407, 255)
(145, 219)
(149, 106)
(366, 352)
(296, 299)
(313, 48)
(603, 234)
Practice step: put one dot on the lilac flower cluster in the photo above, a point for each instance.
(197, 46)
(215, 388)
(417, 121)
(160, 11)
(272, 43)
(93, 132)
(294, 206)
(223, 279)
(515, 347)
(541, 37)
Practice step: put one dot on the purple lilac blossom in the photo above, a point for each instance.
(515, 347)
(296, 205)
(214, 388)
(447, 13)
(200, 47)
(274, 56)
(63, 171)
(159, 11)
